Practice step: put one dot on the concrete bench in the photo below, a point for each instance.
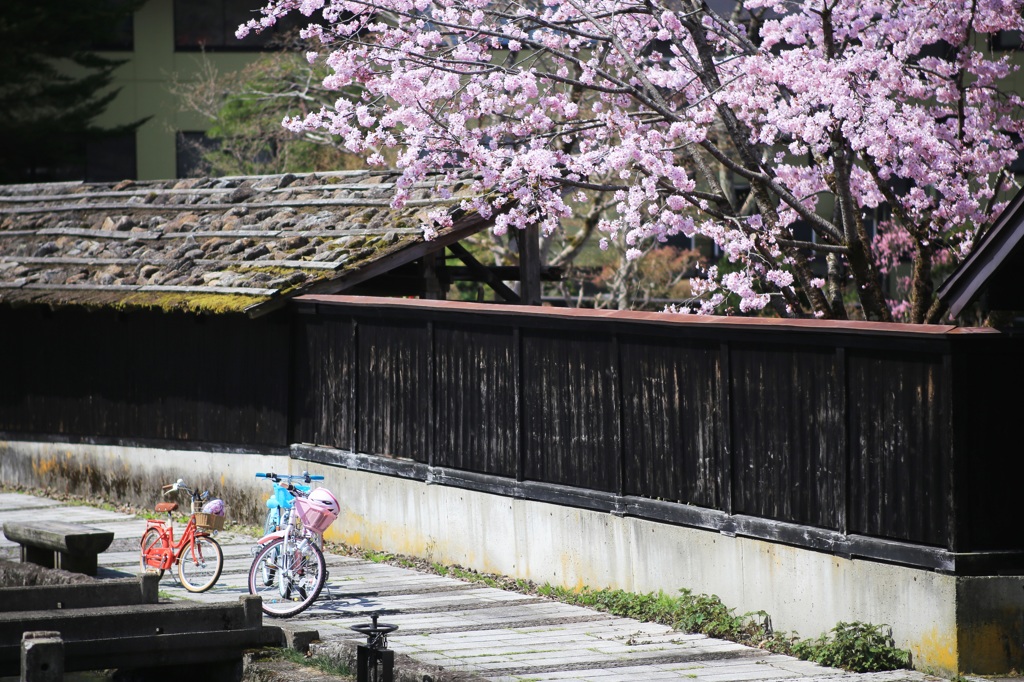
(70, 546)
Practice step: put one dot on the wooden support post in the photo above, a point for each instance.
(529, 265)
(842, 472)
(432, 289)
(42, 657)
(724, 393)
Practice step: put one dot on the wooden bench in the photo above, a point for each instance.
(69, 546)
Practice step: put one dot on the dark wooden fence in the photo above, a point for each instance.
(144, 376)
(889, 442)
(894, 443)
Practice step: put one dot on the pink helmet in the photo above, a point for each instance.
(215, 507)
(326, 498)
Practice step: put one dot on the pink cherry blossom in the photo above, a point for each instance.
(879, 128)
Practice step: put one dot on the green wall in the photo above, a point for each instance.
(145, 88)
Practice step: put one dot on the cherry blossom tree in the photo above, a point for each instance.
(880, 128)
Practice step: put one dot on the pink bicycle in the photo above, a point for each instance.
(289, 570)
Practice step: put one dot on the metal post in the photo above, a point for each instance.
(42, 657)
(375, 652)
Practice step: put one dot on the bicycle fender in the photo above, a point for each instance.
(267, 538)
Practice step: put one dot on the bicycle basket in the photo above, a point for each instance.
(314, 515)
(209, 521)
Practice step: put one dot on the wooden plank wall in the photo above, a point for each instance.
(826, 430)
(324, 362)
(477, 405)
(788, 407)
(900, 457)
(908, 438)
(989, 377)
(145, 376)
(672, 405)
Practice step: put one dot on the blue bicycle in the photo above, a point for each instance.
(289, 570)
(279, 510)
(280, 504)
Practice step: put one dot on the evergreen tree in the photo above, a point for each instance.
(53, 84)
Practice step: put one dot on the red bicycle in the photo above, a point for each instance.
(198, 556)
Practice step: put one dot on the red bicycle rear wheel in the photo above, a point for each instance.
(152, 552)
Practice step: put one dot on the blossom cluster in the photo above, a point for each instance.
(742, 129)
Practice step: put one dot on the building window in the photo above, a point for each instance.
(110, 159)
(119, 35)
(680, 241)
(1017, 166)
(1006, 40)
(211, 25)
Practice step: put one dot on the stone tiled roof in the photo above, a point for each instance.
(215, 245)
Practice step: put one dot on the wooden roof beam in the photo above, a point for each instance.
(483, 273)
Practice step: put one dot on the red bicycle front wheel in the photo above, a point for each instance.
(200, 564)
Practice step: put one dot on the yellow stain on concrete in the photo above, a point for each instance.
(936, 649)
(44, 466)
(577, 575)
(579, 586)
(355, 530)
(985, 644)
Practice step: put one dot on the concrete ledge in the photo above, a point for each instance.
(82, 595)
(17, 574)
(290, 636)
(140, 636)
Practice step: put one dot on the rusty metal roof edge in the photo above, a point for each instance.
(672, 319)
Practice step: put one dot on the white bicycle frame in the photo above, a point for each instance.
(288, 533)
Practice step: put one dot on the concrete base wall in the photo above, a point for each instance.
(950, 624)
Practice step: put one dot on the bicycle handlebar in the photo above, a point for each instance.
(180, 485)
(304, 476)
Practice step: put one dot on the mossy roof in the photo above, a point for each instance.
(214, 245)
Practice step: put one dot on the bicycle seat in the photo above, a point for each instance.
(165, 506)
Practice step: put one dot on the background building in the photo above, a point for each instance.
(168, 41)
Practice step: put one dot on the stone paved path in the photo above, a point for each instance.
(496, 635)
